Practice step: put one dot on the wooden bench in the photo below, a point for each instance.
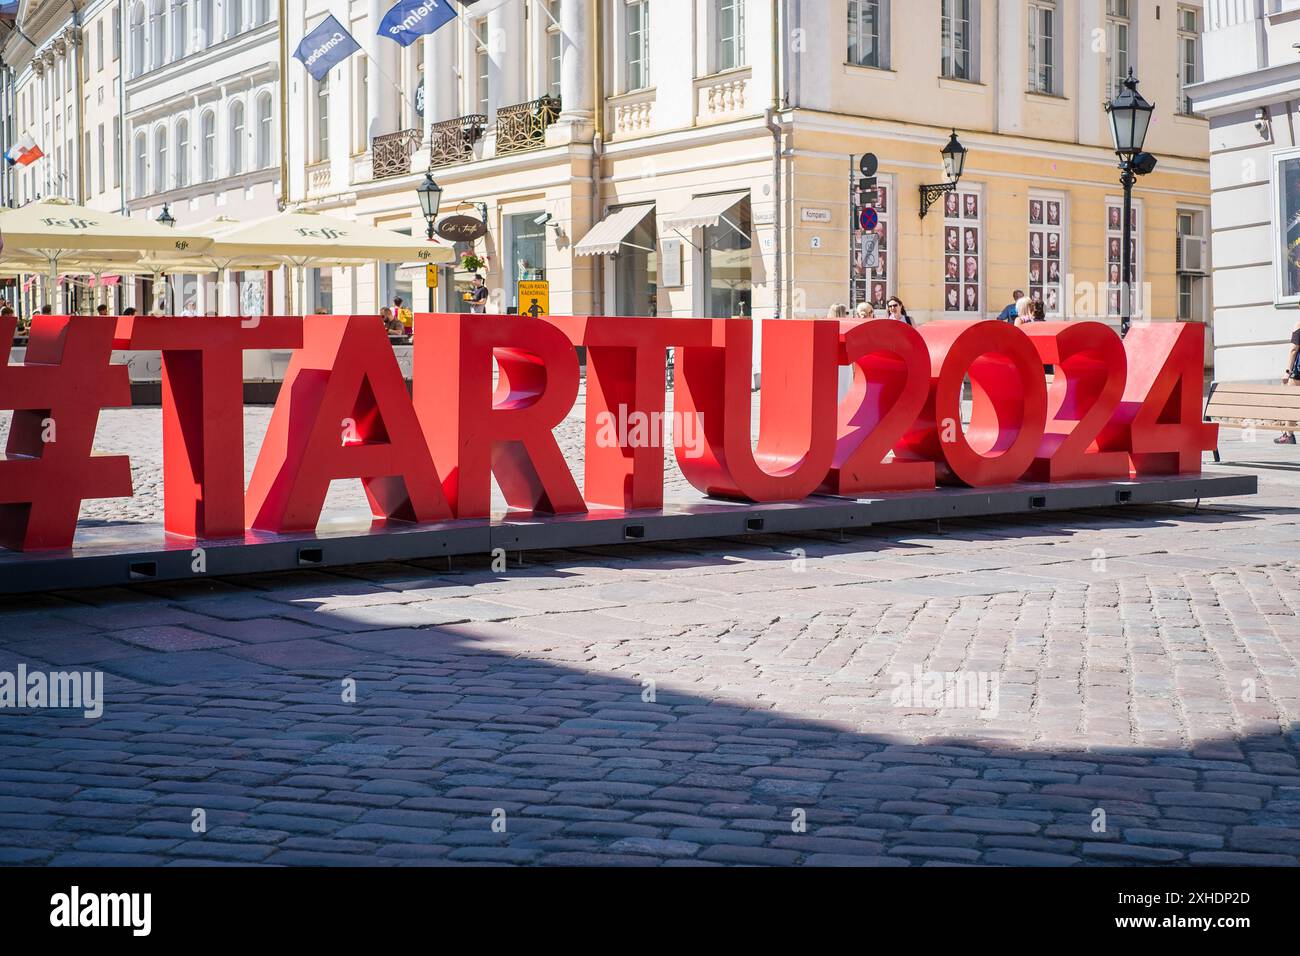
(1261, 406)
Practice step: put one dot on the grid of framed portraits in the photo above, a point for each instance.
(868, 284)
(1046, 252)
(962, 258)
(1114, 250)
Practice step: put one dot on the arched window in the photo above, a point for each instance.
(160, 160)
(264, 131)
(158, 36)
(180, 28)
(182, 153)
(140, 181)
(209, 148)
(138, 63)
(234, 16)
(236, 138)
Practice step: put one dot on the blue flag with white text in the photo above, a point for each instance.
(409, 20)
(325, 48)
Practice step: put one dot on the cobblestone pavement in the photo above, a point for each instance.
(717, 702)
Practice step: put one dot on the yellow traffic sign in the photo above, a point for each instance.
(431, 276)
(534, 297)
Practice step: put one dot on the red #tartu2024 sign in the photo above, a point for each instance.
(1115, 408)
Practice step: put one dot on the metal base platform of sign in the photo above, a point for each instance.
(132, 553)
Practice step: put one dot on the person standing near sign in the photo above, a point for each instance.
(477, 296)
(403, 314)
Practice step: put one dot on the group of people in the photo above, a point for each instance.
(1022, 310)
(894, 309)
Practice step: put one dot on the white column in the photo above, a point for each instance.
(1090, 90)
(1013, 66)
(505, 57)
(576, 43)
(439, 76)
(381, 74)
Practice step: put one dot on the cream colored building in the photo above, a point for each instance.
(726, 156)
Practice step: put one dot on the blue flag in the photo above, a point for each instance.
(409, 20)
(325, 48)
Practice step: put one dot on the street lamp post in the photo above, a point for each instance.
(165, 218)
(954, 162)
(430, 194)
(1130, 118)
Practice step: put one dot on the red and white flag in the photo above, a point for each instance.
(24, 152)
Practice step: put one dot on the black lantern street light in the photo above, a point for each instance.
(954, 163)
(165, 218)
(430, 194)
(1130, 117)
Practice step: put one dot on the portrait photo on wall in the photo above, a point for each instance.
(972, 268)
(1113, 251)
(972, 299)
(952, 267)
(951, 206)
(1035, 272)
(1036, 244)
(1053, 270)
(1053, 246)
(972, 240)
(952, 239)
(878, 294)
(971, 204)
(1036, 212)
(1053, 213)
(952, 297)
(1113, 217)
(1051, 300)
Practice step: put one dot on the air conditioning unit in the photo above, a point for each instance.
(1191, 254)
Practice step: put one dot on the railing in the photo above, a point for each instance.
(523, 126)
(452, 141)
(391, 153)
(318, 179)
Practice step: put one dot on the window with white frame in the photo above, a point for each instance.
(729, 34)
(868, 29)
(236, 138)
(101, 165)
(871, 282)
(264, 137)
(1191, 265)
(1114, 255)
(160, 160)
(182, 153)
(482, 89)
(234, 16)
(1189, 54)
(99, 45)
(180, 28)
(1047, 250)
(117, 151)
(1119, 26)
(204, 26)
(958, 39)
(1044, 35)
(1286, 190)
(140, 182)
(137, 40)
(158, 36)
(636, 45)
(208, 146)
(323, 119)
(963, 257)
(554, 48)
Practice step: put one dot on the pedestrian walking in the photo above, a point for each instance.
(477, 296)
(894, 309)
(1291, 376)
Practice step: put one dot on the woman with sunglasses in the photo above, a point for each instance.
(894, 309)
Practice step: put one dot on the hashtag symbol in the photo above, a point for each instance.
(49, 466)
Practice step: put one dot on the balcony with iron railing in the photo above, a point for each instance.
(452, 141)
(523, 126)
(391, 153)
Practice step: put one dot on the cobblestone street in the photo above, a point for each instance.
(727, 701)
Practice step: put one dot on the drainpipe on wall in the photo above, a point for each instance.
(774, 125)
(78, 83)
(597, 152)
(284, 107)
(121, 114)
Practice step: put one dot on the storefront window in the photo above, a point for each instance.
(527, 251)
(636, 271)
(728, 279)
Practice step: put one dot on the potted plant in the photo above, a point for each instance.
(469, 262)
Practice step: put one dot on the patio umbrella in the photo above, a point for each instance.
(306, 239)
(55, 229)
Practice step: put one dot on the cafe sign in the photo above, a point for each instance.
(461, 228)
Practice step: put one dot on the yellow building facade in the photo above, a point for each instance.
(662, 109)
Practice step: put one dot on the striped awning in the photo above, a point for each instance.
(701, 211)
(607, 235)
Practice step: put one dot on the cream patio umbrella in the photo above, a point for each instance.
(306, 239)
(54, 230)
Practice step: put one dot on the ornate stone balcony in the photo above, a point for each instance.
(391, 153)
(319, 179)
(722, 97)
(452, 141)
(523, 126)
(631, 114)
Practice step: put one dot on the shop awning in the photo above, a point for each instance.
(701, 211)
(607, 235)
